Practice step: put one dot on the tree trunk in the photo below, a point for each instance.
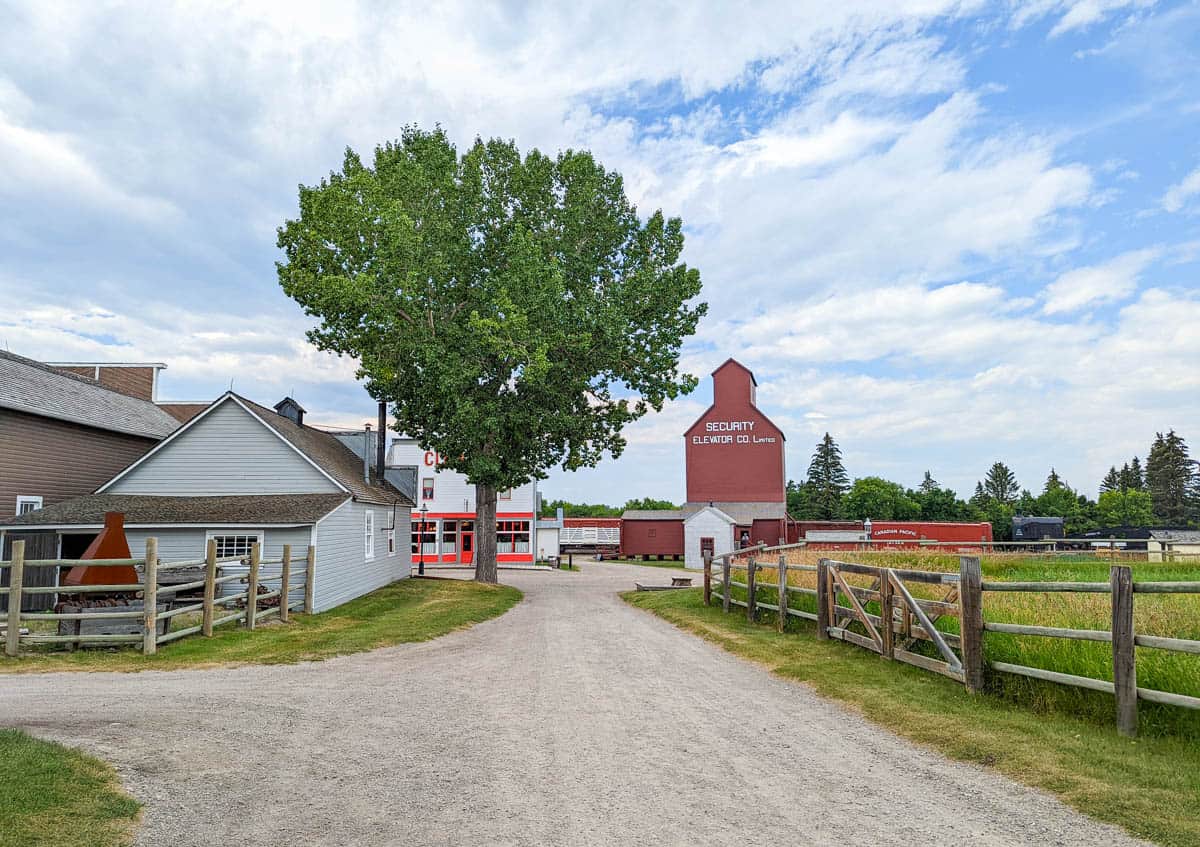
(485, 534)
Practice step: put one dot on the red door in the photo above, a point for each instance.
(466, 542)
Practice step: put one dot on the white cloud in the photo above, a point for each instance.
(1096, 285)
(1179, 193)
(1073, 14)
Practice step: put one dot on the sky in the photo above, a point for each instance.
(948, 233)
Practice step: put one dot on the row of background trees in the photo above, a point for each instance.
(1165, 491)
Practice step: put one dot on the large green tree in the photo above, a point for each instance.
(1170, 478)
(1125, 508)
(515, 312)
(875, 498)
(1000, 484)
(827, 480)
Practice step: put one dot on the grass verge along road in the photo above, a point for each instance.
(408, 610)
(53, 796)
(1149, 786)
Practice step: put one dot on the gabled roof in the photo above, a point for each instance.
(38, 389)
(321, 449)
(155, 510)
(715, 511)
(735, 363)
(742, 513)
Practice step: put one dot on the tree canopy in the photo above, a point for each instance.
(515, 312)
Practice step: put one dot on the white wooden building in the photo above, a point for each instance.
(241, 473)
(446, 534)
(709, 529)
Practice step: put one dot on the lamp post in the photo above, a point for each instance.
(421, 542)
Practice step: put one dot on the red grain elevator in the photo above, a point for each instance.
(733, 453)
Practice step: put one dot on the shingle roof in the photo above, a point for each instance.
(158, 510)
(38, 389)
(330, 454)
(742, 513)
(652, 515)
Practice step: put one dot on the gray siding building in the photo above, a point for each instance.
(241, 473)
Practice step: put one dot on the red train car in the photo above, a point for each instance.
(851, 535)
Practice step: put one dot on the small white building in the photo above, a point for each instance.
(444, 515)
(707, 530)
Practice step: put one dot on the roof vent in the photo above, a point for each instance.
(290, 409)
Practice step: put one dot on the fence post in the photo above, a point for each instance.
(823, 599)
(725, 584)
(885, 614)
(16, 577)
(1124, 668)
(970, 600)
(252, 586)
(285, 572)
(210, 588)
(707, 558)
(751, 591)
(150, 599)
(310, 573)
(783, 595)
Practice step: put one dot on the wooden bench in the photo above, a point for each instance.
(681, 581)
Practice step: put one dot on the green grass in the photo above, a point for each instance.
(1150, 786)
(408, 610)
(53, 796)
(1175, 616)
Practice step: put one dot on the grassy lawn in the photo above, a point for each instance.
(409, 610)
(53, 796)
(1150, 786)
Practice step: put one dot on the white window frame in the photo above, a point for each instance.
(369, 535)
(391, 541)
(256, 533)
(27, 499)
(429, 480)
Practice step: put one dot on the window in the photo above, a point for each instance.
(427, 488)
(369, 538)
(450, 537)
(652, 533)
(391, 539)
(512, 536)
(235, 544)
(424, 538)
(27, 503)
(506, 495)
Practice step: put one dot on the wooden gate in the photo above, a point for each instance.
(903, 619)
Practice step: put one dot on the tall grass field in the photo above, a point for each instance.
(1169, 615)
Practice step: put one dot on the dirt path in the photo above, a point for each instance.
(574, 719)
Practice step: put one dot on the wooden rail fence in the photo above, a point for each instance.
(904, 619)
(155, 620)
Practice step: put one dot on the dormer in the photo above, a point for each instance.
(290, 409)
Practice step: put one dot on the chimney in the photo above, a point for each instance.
(379, 445)
(367, 454)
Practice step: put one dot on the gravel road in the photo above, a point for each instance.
(574, 719)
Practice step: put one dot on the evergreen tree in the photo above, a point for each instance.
(1053, 482)
(1137, 478)
(827, 480)
(1170, 478)
(979, 498)
(1111, 481)
(1000, 484)
(928, 484)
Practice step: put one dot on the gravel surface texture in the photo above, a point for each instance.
(573, 719)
